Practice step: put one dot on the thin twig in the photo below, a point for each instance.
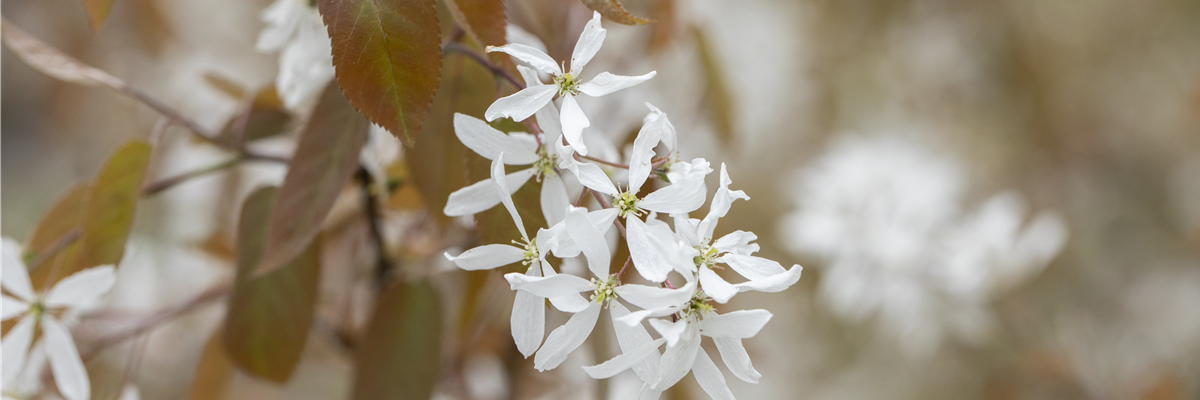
(459, 48)
(383, 263)
(157, 319)
(608, 163)
(582, 195)
(628, 262)
(56, 246)
(160, 185)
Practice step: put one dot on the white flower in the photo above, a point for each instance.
(886, 215)
(306, 62)
(69, 294)
(566, 84)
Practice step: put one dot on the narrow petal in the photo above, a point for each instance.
(752, 267)
(565, 339)
(648, 392)
(673, 332)
(710, 378)
(589, 240)
(636, 317)
(686, 228)
(68, 369)
(606, 83)
(482, 196)
(739, 324)
(591, 176)
(534, 57)
(82, 287)
(643, 152)
(487, 257)
(680, 197)
(669, 136)
(589, 43)
(505, 193)
(652, 297)
(571, 303)
(573, 122)
(547, 120)
(554, 199)
(737, 242)
(626, 360)
(773, 283)
(648, 256)
(530, 76)
(16, 347)
(550, 286)
(736, 359)
(720, 205)
(489, 142)
(522, 104)
(715, 286)
(632, 337)
(678, 360)
(16, 276)
(11, 307)
(528, 322)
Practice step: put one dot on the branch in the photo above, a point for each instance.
(157, 319)
(454, 47)
(383, 263)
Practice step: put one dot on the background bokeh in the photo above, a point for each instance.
(1088, 108)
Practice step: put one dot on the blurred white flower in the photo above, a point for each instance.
(70, 294)
(886, 216)
(567, 84)
(306, 60)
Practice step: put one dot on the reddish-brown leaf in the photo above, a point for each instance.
(613, 11)
(269, 316)
(97, 12)
(400, 355)
(325, 159)
(387, 56)
(213, 371)
(52, 62)
(484, 22)
(63, 217)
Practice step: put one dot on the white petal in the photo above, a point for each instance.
(565, 339)
(547, 119)
(590, 241)
(715, 286)
(686, 228)
(522, 104)
(489, 142)
(603, 219)
(571, 303)
(589, 43)
(16, 276)
(573, 121)
(752, 267)
(82, 287)
(737, 242)
(739, 324)
(130, 393)
(720, 205)
(68, 369)
(626, 360)
(651, 297)
(669, 137)
(550, 286)
(606, 83)
(502, 190)
(710, 378)
(673, 332)
(643, 152)
(632, 337)
(528, 322)
(636, 317)
(648, 256)
(678, 360)
(11, 307)
(482, 196)
(682, 196)
(773, 283)
(554, 199)
(487, 257)
(534, 57)
(282, 18)
(515, 34)
(591, 176)
(530, 76)
(16, 346)
(649, 393)
(736, 359)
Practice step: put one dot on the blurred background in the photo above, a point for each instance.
(1088, 111)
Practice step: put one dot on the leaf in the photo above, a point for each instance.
(325, 159)
(97, 12)
(213, 371)
(112, 205)
(267, 117)
(613, 11)
(400, 355)
(52, 62)
(65, 215)
(483, 21)
(716, 92)
(437, 162)
(387, 57)
(269, 316)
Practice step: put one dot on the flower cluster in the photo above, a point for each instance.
(680, 310)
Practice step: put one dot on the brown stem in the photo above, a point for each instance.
(157, 319)
(56, 246)
(628, 262)
(383, 263)
(454, 47)
(582, 195)
(608, 163)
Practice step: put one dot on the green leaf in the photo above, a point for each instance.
(326, 157)
(112, 205)
(437, 162)
(400, 355)
(613, 11)
(716, 97)
(387, 56)
(269, 316)
(97, 12)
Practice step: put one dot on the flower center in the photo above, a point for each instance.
(706, 258)
(36, 309)
(567, 84)
(544, 166)
(626, 204)
(531, 251)
(604, 289)
(698, 305)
